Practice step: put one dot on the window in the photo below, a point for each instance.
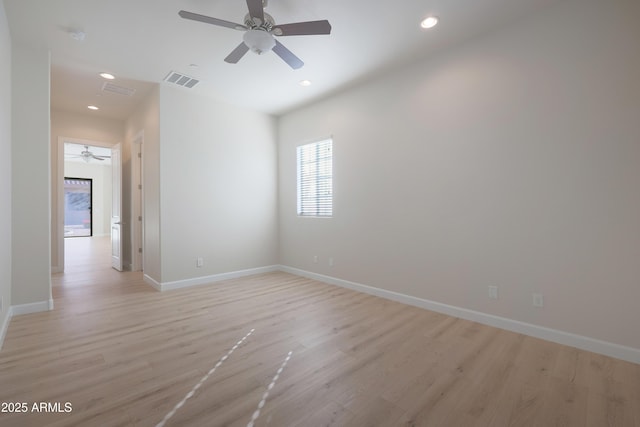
(77, 207)
(315, 179)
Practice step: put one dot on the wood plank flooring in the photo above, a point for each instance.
(123, 354)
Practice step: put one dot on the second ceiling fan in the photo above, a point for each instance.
(260, 29)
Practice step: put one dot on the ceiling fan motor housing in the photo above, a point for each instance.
(255, 23)
(258, 37)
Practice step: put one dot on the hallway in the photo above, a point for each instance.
(88, 276)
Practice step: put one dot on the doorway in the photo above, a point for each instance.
(78, 218)
(82, 160)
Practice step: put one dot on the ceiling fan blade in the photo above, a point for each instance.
(93, 156)
(237, 54)
(287, 56)
(256, 10)
(209, 20)
(303, 28)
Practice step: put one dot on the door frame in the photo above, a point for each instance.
(60, 188)
(137, 204)
(117, 224)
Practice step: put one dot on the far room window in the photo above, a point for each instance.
(315, 179)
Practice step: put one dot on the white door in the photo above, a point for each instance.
(116, 208)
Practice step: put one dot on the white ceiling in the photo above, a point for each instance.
(141, 41)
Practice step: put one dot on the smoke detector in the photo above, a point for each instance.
(78, 35)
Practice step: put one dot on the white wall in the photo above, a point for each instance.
(102, 192)
(218, 169)
(31, 172)
(79, 127)
(5, 171)
(511, 160)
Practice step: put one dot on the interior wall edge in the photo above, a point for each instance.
(5, 325)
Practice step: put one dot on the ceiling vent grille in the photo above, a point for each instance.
(120, 90)
(181, 80)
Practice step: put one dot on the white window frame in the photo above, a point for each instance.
(314, 173)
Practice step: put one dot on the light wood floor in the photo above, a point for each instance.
(124, 354)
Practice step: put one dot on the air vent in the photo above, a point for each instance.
(110, 87)
(181, 80)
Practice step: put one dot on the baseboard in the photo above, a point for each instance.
(5, 325)
(16, 310)
(34, 307)
(203, 280)
(617, 351)
(578, 341)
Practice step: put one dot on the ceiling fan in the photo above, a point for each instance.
(87, 155)
(260, 29)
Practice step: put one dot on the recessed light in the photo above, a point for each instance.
(92, 107)
(429, 22)
(305, 83)
(107, 76)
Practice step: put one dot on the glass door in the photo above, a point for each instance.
(77, 207)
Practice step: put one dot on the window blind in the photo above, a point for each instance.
(315, 178)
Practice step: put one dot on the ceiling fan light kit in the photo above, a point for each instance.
(260, 29)
(258, 41)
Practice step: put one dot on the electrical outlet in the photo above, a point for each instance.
(493, 292)
(331, 261)
(199, 262)
(538, 300)
(315, 259)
